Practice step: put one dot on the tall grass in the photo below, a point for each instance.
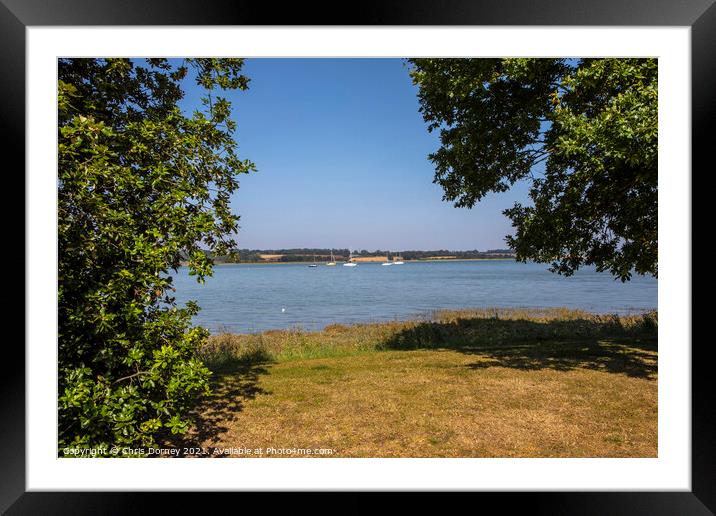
(442, 328)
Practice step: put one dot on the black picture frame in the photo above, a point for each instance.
(17, 15)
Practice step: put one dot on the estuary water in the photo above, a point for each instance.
(247, 298)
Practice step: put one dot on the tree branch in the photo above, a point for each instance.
(138, 373)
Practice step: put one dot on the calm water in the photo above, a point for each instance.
(248, 298)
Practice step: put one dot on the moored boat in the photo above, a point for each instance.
(333, 260)
(350, 262)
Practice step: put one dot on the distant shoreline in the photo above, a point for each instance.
(184, 264)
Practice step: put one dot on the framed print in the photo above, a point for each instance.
(418, 249)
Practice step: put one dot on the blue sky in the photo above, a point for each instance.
(341, 152)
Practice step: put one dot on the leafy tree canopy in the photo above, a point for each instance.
(140, 187)
(582, 132)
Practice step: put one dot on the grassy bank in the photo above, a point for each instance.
(442, 329)
(472, 383)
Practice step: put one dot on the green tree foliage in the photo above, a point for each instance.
(582, 132)
(140, 187)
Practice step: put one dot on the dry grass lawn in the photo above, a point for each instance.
(465, 384)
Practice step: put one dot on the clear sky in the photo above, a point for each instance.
(341, 152)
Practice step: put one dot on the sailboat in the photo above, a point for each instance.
(387, 262)
(333, 260)
(350, 262)
(399, 261)
(314, 264)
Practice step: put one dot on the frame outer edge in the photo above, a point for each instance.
(370, 12)
(12, 124)
(703, 112)
(12, 128)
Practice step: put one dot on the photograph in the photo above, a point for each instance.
(357, 257)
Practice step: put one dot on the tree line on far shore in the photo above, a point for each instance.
(309, 254)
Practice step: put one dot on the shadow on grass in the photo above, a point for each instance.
(233, 383)
(562, 345)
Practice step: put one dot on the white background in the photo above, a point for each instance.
(671, 470)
